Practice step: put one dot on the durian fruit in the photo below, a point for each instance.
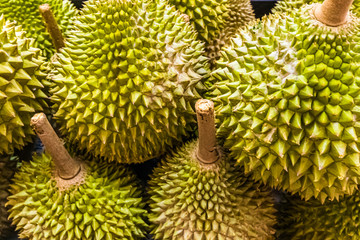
(59, 197)
(198, 194)
(7, 170)
(312, 220)
(21, 95)
(216, 21)
(26, 13)
(293, 5)
(127, 79)
(287, 100)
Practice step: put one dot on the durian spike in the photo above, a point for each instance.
(333, 12)
(52, 26)
(207, 148)
(67, 168)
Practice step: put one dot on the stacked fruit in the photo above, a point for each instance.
(122, 88)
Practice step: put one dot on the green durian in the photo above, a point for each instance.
(293, 5)
(127, 79)
(7, 170)
(26, 13)
(21, 95)
(216, 21)
(101, 201)
(312, 220)
(287, 98)
(192, 200)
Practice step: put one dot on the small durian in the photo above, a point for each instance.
(21, 88)
(26, 13)
(216, 21)
(197, 193)
(127, 79)
(7, 169)
(56, 196)
(287, 98)
(312, 220)
(292, 5)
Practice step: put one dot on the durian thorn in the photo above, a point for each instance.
(66, 167)
(333, 12)
(52, 26)
(207, 148)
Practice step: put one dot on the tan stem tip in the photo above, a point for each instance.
(66, 167)
(207, 149)
(52, 26)
(333, 12)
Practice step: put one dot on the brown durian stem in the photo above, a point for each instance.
(52, 26)
(333, 12)
(207, 149)
(66, 167)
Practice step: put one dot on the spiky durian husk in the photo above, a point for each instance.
(126, 84)
(312, 220)
(26, 13)
(108, 205)
(192, 201)
(240, 15)
(287, 102)
(291, 5)
(7, 170)
(21, 93)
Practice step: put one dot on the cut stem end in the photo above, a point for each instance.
(333, 13)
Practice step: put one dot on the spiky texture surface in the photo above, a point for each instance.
(20, 86)
(312, 220)
(287, 102)
(27, 14)
(107, 206)
(240, 14)
(292, 5)
(216, 21)
(197, 202)
(127, 82)
(7, 170)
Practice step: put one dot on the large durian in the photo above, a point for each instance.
(59, 197)
(293, 5)
(7, 170)
(312, 220)
(26, 13)
(216, 21)
(127, 79)
(21, 74)
(198, 194)
(288, 101)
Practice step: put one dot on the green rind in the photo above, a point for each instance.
(21, 89)
(128, 79)
(287, 103)
(107, 206)
(7, 170)
(312, 220)
(26, 13)
(189, 201)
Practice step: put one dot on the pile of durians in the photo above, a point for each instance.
(255, 122)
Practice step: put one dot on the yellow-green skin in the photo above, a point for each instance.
(287, 100)
(26, 13)
(7, 171)
(312, 220)
(108, 205)
(126, 84)
(293, 5)
(21, 89)
(194, 201)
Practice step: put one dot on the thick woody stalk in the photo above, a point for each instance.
(207, 149)
(66, 167)
(52, 26)
(333, 12)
